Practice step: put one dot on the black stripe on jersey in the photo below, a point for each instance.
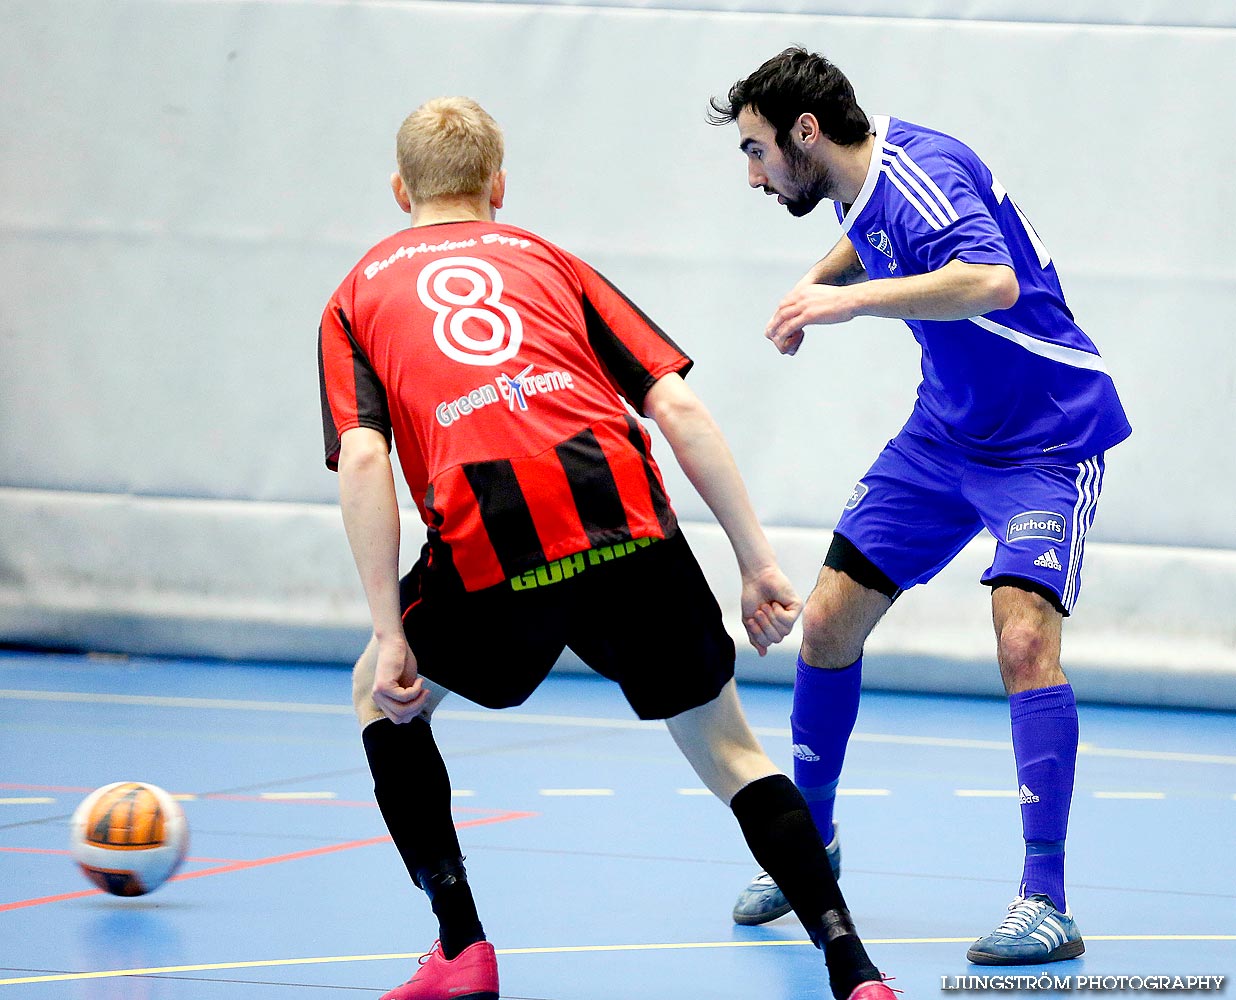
(593, 488)
(505, 514)
(652, 325)
(330, 433)
(371, 406)
(634, 380)
(660, 502)
(437, 561)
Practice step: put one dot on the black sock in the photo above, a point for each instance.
(413, 791)
(848, 964)
(782, 836)
(451, 899)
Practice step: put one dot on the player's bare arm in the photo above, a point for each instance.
(840, 266)
(770, 605)
(371, 519)
(956, 291)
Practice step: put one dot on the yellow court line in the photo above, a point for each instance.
(564, 950)
(521, 718)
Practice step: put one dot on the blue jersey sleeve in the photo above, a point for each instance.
(945, 215)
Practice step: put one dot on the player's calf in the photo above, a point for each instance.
(781, 834)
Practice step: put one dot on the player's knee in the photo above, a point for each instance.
(362, 687)
(827, 642)
(1025, 650)
(362, 701)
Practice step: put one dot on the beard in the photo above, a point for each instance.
(812, 183)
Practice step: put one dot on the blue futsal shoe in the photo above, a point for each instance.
(763, 901)
(1033, 932)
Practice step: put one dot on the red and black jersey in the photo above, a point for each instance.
(499, 364)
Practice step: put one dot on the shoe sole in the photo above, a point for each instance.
(765, 916)
(1070, 949)
(754, 919)
(483, 995)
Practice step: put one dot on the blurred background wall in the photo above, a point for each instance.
(182, 185)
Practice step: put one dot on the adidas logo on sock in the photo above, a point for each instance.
(1027, 796)
(804, 752)
(1048, 560)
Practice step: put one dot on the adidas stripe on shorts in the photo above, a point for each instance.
(923, 500)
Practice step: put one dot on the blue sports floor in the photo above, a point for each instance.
(602, 870)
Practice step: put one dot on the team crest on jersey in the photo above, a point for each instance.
(879, 239)
(1035, 524)
(856, 496)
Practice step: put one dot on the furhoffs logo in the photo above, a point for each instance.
(859, 492)
(1036, 524)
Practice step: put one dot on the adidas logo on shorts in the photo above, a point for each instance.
(1048, 560)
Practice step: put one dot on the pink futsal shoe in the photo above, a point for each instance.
(873, 990)
(470, 975)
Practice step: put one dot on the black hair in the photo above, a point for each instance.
(792, 83)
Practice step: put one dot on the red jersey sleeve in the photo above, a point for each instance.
(633, 349)
(352, 393)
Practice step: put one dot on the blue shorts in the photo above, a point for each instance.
(923, 500)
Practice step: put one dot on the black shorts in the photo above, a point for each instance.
(639, 613)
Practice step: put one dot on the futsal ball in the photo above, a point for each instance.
(128, 837)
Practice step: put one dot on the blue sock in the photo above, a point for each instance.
(1045, 747)
(825, 707)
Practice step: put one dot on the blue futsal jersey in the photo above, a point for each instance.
(1014, 384)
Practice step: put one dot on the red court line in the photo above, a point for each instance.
(48, 850)
(262, 862)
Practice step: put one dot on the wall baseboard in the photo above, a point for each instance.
(275, 581)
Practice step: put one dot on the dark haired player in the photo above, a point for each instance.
(503, 367)
(1014, 413)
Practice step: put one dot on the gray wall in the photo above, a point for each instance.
(182, 184)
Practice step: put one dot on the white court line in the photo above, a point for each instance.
(579, 792)
(1130, 795)
(163, 701)
(985, 793)
(521, 719)
(39, 801)
(270, 963)
(840, 791)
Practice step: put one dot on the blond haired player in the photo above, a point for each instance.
(506, 371)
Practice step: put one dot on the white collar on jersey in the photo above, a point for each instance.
(873, 173)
